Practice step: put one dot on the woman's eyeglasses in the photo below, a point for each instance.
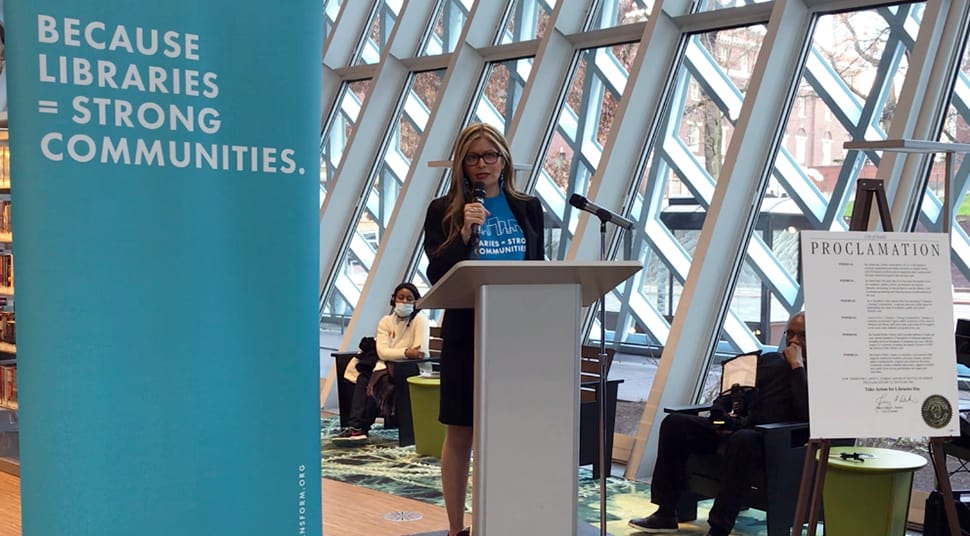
(472, 158)
(790, 333)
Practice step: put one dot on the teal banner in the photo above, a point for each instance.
(165, 186)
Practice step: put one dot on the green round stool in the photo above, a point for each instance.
(868, 497)
(429, 434)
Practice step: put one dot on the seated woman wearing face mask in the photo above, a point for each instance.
(403, 334)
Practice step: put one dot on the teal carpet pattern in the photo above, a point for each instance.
(383, 466)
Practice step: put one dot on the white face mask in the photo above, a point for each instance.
(403, 309)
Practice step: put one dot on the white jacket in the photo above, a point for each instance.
(394, 336)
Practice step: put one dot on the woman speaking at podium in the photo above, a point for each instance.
(482, 217)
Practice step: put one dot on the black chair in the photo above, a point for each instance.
(774, 489)
(400, 372)
(589, 417)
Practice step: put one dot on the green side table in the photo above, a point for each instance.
(429, 433)
(869, 497)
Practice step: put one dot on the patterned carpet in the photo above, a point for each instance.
(383, 466)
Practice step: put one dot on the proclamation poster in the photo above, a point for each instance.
(879, 317)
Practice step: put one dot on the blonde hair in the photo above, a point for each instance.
(459, 188)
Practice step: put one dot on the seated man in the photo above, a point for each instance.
(402, 334)
(783, 396)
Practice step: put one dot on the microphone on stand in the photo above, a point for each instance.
(603, 214)
(478, 196)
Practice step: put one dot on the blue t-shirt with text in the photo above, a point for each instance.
(501, 238)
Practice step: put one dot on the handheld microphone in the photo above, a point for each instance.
(478, 196)
(603, 214)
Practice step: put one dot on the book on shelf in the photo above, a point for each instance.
(8, 327)
(5, 217)
(8, 389)
(6, 270)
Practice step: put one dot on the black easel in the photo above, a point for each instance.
(938, 458)
(866, 189)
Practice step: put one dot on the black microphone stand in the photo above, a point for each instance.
(604, 457)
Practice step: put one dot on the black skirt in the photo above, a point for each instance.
(457, 406)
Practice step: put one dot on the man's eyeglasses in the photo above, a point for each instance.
(490, 158)
(790, 333)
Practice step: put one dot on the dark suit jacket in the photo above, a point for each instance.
(782, 391)
(459, 324)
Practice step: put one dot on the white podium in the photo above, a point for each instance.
(527, 349)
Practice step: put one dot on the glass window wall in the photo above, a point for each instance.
(380, 198)
(335, 136)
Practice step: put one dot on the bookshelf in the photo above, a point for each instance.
(8, 345)
(9, 430)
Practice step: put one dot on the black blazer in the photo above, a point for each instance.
(460, 323)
